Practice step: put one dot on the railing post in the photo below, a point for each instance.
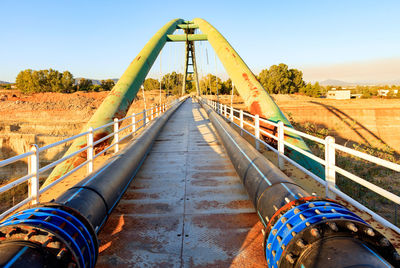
(144, 117)
(133, 123)
(90, 151)
(231, 114)
(157, 110)
(281, 145)
(33, 167)
(330, 162)
(257, 130)
(151, 113)
(241, 122)
(225, 113)
(116, 136)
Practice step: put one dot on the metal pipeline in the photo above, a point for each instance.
(301, 230)
(63, 233)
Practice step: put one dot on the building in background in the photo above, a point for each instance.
(338, 94)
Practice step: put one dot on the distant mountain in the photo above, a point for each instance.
(95, 81)
(4, 82)
(394, 82)
(333, 82)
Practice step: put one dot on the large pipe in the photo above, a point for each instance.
(301, 230)
(118, 101)
(63, 233)
(253, 93)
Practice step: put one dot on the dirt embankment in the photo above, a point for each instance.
(370, 122)
(45, 118)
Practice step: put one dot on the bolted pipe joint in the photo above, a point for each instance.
(314, 232)
(51, 235)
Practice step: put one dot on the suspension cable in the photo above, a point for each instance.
(216, 69)
(232, 93)
(144, 98)
(160, 75)
(200, 61)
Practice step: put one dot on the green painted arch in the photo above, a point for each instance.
(118, 101)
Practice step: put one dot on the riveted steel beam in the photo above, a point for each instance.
(118, 101)
(184, 37)
(255, 96)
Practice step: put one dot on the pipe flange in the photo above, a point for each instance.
(281, 211)
(57, 231)
(299, 218)
(309, 237)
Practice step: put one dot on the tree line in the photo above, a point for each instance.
(32, 81)
(172, 83)
(278, 79)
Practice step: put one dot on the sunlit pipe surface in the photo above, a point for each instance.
(63, 233)
(301, 230)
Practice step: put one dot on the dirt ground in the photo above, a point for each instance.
(369, 122)
(78, 106)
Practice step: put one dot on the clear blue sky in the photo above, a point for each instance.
(98, 39)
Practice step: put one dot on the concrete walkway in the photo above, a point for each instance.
(186, 207)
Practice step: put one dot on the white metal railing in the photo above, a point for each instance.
(34, 169)
(328, 162)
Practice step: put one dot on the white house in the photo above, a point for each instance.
(338, 94)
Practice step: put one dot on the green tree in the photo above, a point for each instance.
(172, 83)
(24, 81)
(211, 84)
(311, 90)
(107, 85)
(97, 88)
(67, 82)
(84, 84)
(151, 84)
(279, 79)
(29, 81)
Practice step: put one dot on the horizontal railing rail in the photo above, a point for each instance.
(34, 169)
(331, 149)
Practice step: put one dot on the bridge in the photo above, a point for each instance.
(194, 183)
